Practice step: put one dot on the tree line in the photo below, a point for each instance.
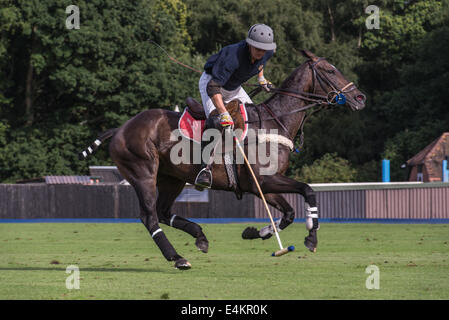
(60, 87)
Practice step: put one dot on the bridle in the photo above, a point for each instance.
(333, 97)
(317, 74)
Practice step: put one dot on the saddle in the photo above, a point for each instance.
(192, 121)
(195, 109)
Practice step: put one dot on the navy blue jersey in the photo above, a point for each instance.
(232, 65)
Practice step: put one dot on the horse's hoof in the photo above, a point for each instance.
(309, 245)
(311, 241)
(182, 264)
(202, 244)
(250, 233)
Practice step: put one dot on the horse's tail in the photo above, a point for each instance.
(94, 146)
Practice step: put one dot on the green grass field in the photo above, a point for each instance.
(120, 261)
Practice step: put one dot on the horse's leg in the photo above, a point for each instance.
(279, 202)
(169, 188)
(142, 176)
(281, 184)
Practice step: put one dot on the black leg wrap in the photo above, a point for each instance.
(159, 237)
(188, 226)
(287, 219)
(315, 223)
(165, 246)
(311, 200)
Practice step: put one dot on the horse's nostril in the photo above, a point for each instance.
(360, 98)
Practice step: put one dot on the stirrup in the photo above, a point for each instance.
(200, 186)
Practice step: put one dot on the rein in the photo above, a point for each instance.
(335, 96)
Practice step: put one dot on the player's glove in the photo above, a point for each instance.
(265, 84)
(226, 120)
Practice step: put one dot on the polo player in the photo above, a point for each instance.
(222, 79)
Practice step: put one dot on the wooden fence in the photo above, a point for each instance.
(356, 201)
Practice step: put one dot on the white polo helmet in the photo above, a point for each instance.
(261, 36)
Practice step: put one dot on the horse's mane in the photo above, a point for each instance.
(291, 78)
(289, 81)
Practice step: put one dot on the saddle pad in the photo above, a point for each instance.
(192, 129)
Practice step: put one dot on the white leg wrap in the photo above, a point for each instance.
(156, 232)
(312, 212)
(269, 229)
(171, 220)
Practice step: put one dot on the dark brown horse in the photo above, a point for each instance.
(141, 150)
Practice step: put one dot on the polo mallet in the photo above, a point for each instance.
(282, 250)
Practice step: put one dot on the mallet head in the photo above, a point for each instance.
(283, 251)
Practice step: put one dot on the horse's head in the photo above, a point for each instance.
(328, 80)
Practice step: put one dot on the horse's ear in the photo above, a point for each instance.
(308, 54)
